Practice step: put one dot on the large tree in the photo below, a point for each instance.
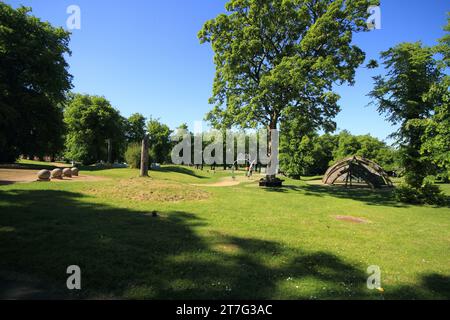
(34, 80)
(92, 123)
(279, 59)
(403, 95)
(135, 128)
(436, 140)
(159, 141)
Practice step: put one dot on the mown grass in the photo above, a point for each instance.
(228, 242)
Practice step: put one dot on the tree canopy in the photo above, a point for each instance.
(135, 128)
(91, 121)
(34, 81)
(305, 153)
(159, 141)
(403, 95)
(281, 57)
(436, 140)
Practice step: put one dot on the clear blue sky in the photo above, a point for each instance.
(144, 55)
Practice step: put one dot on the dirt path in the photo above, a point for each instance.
(11, 176)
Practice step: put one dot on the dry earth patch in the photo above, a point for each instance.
(139, 189)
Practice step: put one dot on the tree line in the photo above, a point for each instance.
(309, 154)
(277, 63)
(40, 116)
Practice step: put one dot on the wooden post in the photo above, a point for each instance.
(144, 157)
(108, 141)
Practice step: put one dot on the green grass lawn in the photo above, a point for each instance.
(219, 242)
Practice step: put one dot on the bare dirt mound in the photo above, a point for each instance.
(11, 176)
(352, 219)
(138, 189)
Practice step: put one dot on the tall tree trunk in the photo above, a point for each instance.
(144, 157)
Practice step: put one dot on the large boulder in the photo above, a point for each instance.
(57, 174)
(44, 175)
(75, 171)
(67, 173)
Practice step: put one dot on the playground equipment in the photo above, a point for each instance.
(357, 170)
(244, 158)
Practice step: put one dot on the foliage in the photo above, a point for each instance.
(296, 148)
(135, 128)
(436, 138)
(403, 95)
(91, 120)
(278, 60)
(133, 155)
(428, 193)
(34, 80)
(365, 146)
(159, 140)
(303, 153)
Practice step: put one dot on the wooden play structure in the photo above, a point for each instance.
(354, 171)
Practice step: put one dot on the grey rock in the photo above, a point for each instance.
(57, 174)
(44, 175)
(67, 173)
(75, 171)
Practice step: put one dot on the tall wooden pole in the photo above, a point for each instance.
(144, 157)
(108, 141)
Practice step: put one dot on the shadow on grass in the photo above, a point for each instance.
(381, 197)
(178, 169)
(130, 254)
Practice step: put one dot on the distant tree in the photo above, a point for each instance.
(401, 94)
(160, 143)
(296, 148)
(347, 145)
(34, 80)
(91, 121)
(367, 147)
(281, 58)
(135, 128)
(324, 147)
(183, 126)
(306, 153)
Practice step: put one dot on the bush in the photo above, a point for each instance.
(432, 194)
(428, 193)
(133, 155)
(443, 177)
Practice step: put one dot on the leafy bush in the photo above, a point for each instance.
(133, 155)
(406, 194)
(443, 177)
(428, 193)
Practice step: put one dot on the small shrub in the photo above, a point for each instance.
(428, 193)
(432, 193)
(406, 194)
(133, 155)
(443, 177)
